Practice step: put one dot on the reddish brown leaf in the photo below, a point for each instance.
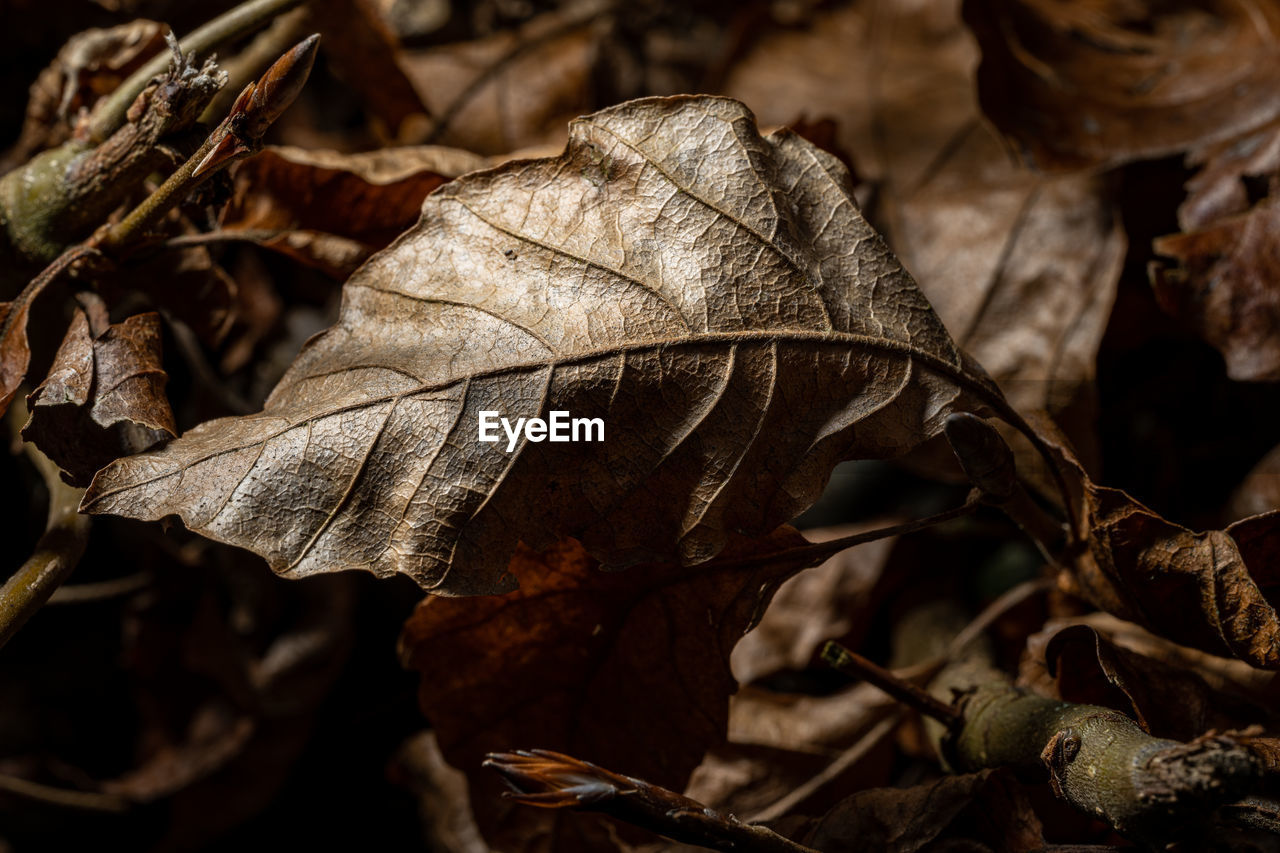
(103, 398)
(366, 54)
(576, 656)
(1087, 84)
(333, 210)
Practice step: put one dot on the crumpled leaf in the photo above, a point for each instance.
(332, 211)
(576, 656)
(1219, 275)
(1167, 698)
(1211, 590)
(714, 296)
(1095, 84)
(103, 398)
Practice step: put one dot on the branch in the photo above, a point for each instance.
(555, 781)
(245, 18)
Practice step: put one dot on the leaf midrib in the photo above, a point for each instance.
(953, 371)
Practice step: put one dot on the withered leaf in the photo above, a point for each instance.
(715, 297)
(823, 603)
(1167, 698)
(986, 811)
(103, 398)
(331, 210)
(575, 656)
(1219, 275)
(1221, 281)
(1087, 84)
(1211, 590)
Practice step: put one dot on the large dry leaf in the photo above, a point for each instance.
(1085, 84)
(576, 656)
(714, 296)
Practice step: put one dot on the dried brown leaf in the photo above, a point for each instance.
(513, 89)
(576, 656)
(1167, 698)
(1210, 590)
(986, 811)
(714, 296)
(1090, 84)
(332, 211)
(823, 603)
(103, 398)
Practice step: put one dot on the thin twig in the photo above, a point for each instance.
(239, 135)
(236, 22)
(552, 780)
(64, 797)
(852, 663)
(89, 593)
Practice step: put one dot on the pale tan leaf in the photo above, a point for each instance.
(713, 295)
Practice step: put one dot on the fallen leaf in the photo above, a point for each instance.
(823, 603)
(575, 656)
(103, 398)
(1077, 85)
(1209, 590)
(330, 210)
(1222, 283)
(713, 296)
(366, 54)
(505, 91)
(1218, 276)
(1260, 491)
(1166, 698)
(986, 811)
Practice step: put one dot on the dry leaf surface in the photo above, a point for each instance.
(714, 296)
(1087, 84)
(103, 398)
